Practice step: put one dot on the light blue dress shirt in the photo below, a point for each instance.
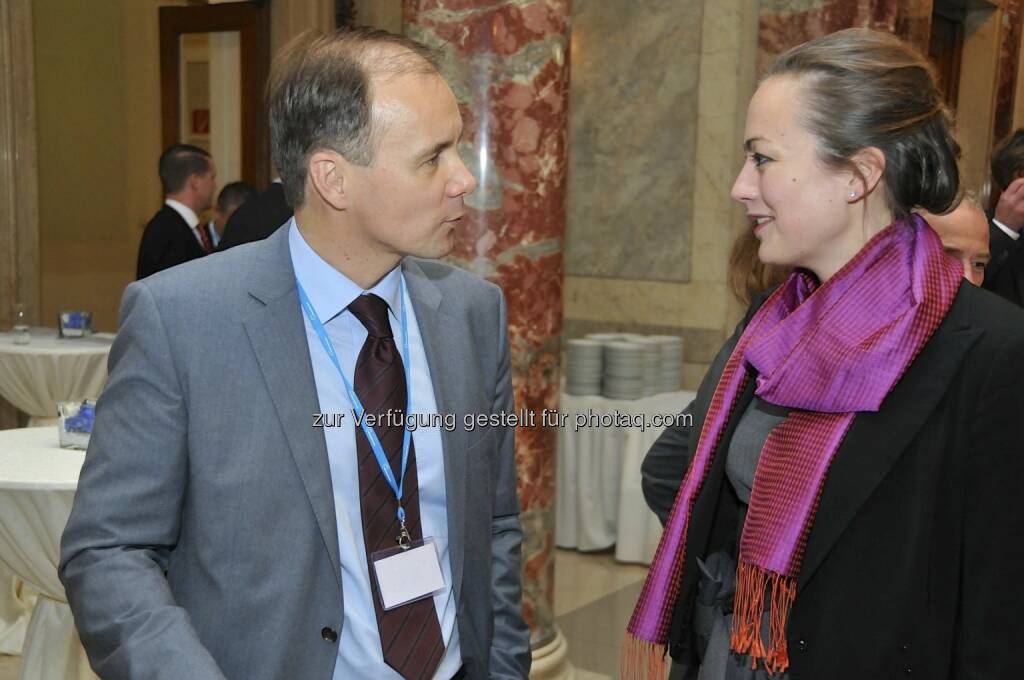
(330, 292)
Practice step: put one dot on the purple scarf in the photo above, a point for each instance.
(825, 352)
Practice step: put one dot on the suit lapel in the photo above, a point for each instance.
(441, 343)
(877, 440)
(278, 337)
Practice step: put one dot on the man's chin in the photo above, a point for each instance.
(435, 252)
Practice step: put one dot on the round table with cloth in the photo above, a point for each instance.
(37, 487)
(34, 377)
(600, 502)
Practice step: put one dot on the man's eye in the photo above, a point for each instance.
(980, 266)
(434, 160)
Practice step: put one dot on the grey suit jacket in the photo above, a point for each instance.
(202, 542)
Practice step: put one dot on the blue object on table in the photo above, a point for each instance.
(74, 324)
(82, 422)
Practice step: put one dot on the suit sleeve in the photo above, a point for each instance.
(990, 627)
(510, 646)
(1001, 247)
(1003, 276)
(126, 517)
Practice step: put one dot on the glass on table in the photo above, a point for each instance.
(21, 328)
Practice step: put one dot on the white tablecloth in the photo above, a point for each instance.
(599, 501)
(34, 377)
(37, 487)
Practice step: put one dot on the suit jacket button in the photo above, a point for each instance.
(329, 634)
(801, 645)
(908, 670)
(905, 647)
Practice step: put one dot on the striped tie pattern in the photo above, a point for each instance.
(410, 635)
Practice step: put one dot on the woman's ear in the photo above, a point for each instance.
(327, 176)
(870, 167)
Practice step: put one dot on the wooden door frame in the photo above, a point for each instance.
(252, 22)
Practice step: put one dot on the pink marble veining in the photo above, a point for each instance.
(508, 64)
(777, 32)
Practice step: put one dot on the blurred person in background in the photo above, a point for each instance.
(1005, 275)
(233, 195)
(174, 235)
(257, 218)
(964, 232)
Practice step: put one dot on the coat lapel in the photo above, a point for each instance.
(277, 334)
(877, 440)
(441, 343)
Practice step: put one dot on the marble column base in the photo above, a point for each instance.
(551, 661)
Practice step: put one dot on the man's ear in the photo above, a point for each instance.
(328, 176)
(870, 165)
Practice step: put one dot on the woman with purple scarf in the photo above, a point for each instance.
(845, 505)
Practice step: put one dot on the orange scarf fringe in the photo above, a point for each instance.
(642, 660)
(752, 585)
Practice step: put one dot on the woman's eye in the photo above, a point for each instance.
(759, 159)
(434, 160)
(980, 266)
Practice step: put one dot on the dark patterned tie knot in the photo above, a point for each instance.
(372, 312)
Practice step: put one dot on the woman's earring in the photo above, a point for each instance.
(853, 194)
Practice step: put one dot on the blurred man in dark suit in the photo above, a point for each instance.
(1005, 274)
(230, 198)
(257, 218)
(174, 234)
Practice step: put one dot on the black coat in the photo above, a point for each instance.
(1004, 275)
(167, 241)
(914, 566)
(257, 218)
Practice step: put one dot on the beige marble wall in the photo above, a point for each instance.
(632, 138)
(700, 308)
(385, 14)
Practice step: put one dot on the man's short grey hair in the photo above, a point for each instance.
(320, 96)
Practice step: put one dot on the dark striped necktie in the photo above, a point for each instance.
(204, 236)
(410, 635)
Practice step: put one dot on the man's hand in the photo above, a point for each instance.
(1010, 209)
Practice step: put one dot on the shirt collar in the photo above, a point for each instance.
(330, 291)
(187, 214)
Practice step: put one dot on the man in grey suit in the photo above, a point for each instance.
(232, 520)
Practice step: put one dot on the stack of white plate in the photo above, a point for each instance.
(608, 337)
(583, 368)
(653, 383)
(623, 370)
(671, 371)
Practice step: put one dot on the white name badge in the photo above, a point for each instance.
(408, 575)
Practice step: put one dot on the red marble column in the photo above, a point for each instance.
(508, 64)
(781, 29)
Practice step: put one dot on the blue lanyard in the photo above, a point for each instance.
(357, 406)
